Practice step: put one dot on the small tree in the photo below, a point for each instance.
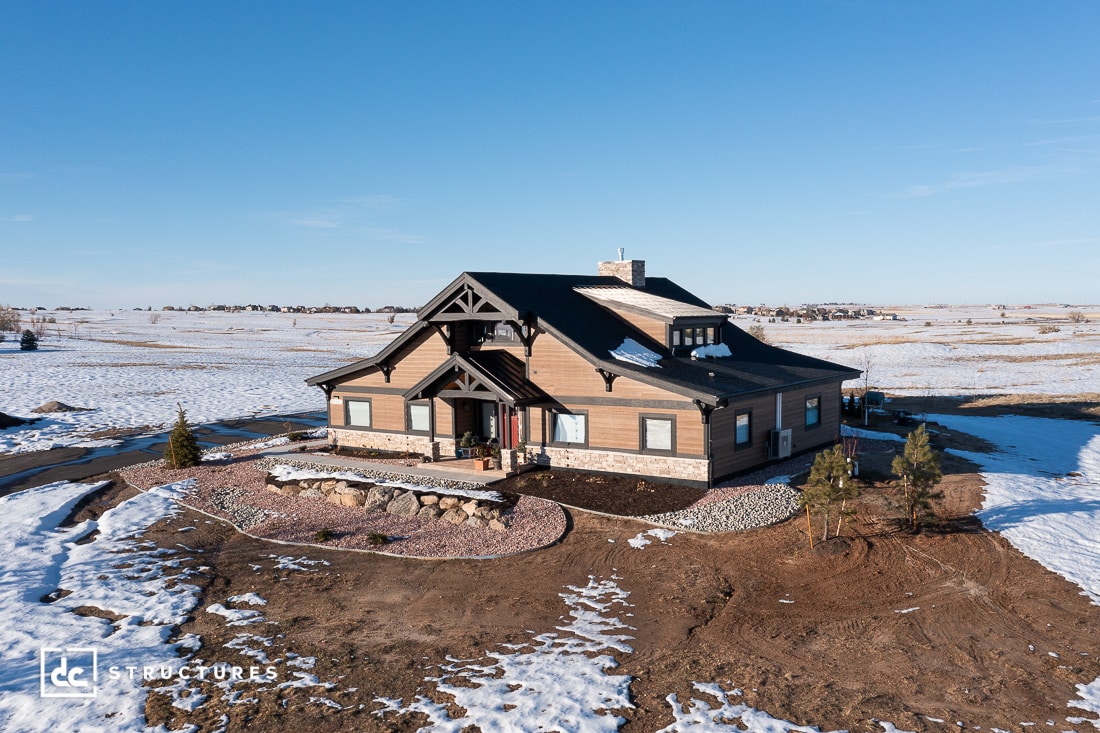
(829, 489)
(29, 342)
(183, 448)
(1077, 317)
(757, 332)
(919, 469)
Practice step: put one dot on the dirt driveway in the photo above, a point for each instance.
(957, 626)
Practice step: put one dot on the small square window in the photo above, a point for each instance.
(569, 428)
(358, 413)
(657, 433)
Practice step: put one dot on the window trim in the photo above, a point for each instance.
(642, 434)
(347, 411)
(553, 424)
(409, 404)
(748, 443)
(806, 415)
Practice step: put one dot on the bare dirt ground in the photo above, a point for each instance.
(843, 648)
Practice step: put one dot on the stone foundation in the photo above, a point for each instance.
(670, 468)
(396, 442)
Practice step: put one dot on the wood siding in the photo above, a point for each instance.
(728, 460)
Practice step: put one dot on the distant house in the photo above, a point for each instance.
(615, 372)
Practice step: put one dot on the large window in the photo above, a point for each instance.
(570, 428)
(658, 434)
(420, 417)
(743, 430)
(358, 413)
(813, 411)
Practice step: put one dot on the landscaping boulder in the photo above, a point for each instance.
(312, 494)
(497, 525)
(477, 522)
(404, 505)
(377, 498)
(470, 507)
(429, 499)
(448, 502)
(454, 516)
(429, 511)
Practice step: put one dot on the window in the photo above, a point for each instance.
(420, 417)
(689, 337)
(676, 337)
(813, 411)
(710, 334)
(570, 428)
(357, 413)
(743, 430)
(504, 332)
(657, 434)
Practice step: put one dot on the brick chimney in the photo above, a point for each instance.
(631, 272)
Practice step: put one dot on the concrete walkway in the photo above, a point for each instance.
(454, 469)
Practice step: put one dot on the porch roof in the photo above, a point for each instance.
(494, 372)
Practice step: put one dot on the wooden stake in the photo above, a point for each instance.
(809, 527)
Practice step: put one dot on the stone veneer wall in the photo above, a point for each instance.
(667, 467)
(382, 441)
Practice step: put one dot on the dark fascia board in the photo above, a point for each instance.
(431, 309)
(409, 334)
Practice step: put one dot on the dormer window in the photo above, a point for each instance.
(693, 336)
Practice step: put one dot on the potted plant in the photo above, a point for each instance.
(466, 445)
(494, 454)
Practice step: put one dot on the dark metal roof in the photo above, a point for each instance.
(594, 331)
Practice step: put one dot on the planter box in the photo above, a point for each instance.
(482, 464)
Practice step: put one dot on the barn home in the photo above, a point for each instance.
(614, 372)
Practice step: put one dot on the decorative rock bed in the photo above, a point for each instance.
(410, 503)
(236, 489)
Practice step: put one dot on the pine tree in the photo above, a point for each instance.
(919, 470)
(829, 488)
(183, 448)
(29, 342)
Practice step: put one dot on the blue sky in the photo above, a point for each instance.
(365, 153)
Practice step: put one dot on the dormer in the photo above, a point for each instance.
(680, 326)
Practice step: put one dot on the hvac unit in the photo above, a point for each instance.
(779, 444)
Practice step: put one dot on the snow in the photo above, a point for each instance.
(131, 372)
(113, 572)
(284, 472)
(236, 617)
(634, 353)
(252, 599)
(641, 539)
(719, 715)
(555, 678)
(714, 351)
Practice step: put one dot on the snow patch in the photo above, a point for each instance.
(632, 352)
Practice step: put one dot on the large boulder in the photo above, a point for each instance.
(404, 505)
(454, 516)
(429, 511)
(377, 498)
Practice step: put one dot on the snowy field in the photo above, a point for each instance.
(935, 351)
(1043, 483)
(131, 372)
